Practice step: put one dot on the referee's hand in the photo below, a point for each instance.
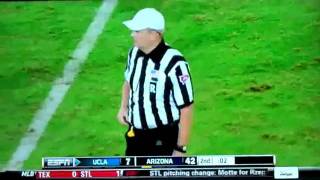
(178, 153)
(122, 116)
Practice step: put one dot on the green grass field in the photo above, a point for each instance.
(255, 67)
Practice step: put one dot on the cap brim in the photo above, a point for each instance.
(132, 25)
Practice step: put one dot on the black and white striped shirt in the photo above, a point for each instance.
(160, 85)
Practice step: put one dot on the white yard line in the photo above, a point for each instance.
(60, 87)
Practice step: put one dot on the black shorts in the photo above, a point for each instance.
(152, 142)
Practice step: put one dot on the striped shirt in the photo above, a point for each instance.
(160, 85)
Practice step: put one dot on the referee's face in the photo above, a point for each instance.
(144, 39)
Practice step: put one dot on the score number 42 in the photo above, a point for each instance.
(190, 161)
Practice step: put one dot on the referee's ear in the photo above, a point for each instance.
(160, 33)
(156, 35)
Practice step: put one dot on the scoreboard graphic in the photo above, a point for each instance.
(164, 167)
(160, 161)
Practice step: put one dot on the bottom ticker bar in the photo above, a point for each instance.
(172, 173)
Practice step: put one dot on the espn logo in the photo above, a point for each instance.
(57, 162)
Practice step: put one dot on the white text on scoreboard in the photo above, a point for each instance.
(215, 160)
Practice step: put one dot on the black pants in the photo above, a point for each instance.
(153, 142)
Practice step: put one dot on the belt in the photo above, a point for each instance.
(163, 127)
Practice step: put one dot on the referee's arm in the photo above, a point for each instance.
(183, 96)
(122, 115)
(185, 126)
(123, 111)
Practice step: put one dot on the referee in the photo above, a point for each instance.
(157, 94)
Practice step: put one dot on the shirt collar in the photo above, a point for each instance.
(157, 53)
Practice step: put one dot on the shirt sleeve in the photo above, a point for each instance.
(127, 69)
(181, 84)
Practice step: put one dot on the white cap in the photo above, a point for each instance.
(146, 18)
